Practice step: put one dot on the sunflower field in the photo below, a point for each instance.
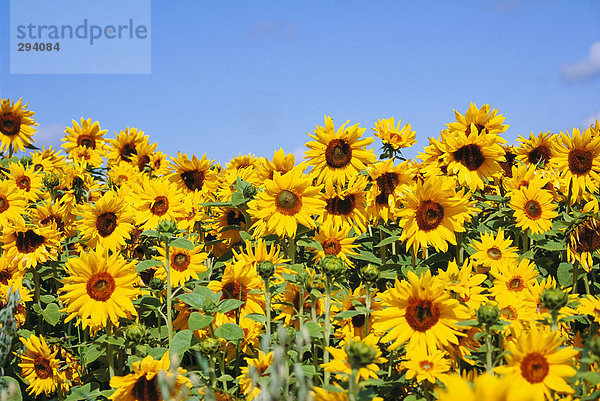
(467, 273)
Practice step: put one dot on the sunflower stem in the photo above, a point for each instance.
(382, 249)
(586, 284)
(36, 280)
(109, 350)
(268, 313)
(368, 307)
(353, 385)
(489, 365)
(169, 300)
(327, 332)
(575, 274)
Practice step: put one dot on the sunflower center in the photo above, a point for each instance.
(382, 199)
(10, 124)
(42, 367)
(358, 320)
(86, 140)
(146, 390)
(533, 209)
(106, 223)
(3, 203)
(534, 367)
(341, 206)
(28, 241)
(429, 215)
(288, 203)
(587, 238)
(494, 253)
(127, 150)
(235, 290)
(421, 314)
(580, 161)
(24, 183)
(332, 246)
(539, 154)
(507, 165)
(426, 365)
(234, 218)
(160, 206)
(5, 276)
(180, 261)
(515, 284)
(338, 153)
(53, 219)
(193, 179)
(100, 286)
(509, 313)
(143, 162)
(387, 183)
(469, 156)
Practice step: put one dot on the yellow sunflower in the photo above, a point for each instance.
(338, 156)
(537, 360)
(88, 156)
(16, 126)
(346, 207)
(289, 303)
(142, 157)
(229, 222)
(39, 366)
(185, 264)
(287, 200)
(420, 312)
(107, 223)
(48, 160)
(28, 182)
(578, 159)
(124, 175)
(340, 364)
(386, 192)
(494, 252)
(98, 289)
(537, 150)
(86, 134)
(422, 365)
(48, 213)
(12, 204)
(484, 119)
(533, 208)
(520, 311)
(357, 325)
(485, 387)
(432, 214)
(590, 305)
(143, 383)
(252, 256)
(240, 162)
(29, 245)
(156, 200)
(463, 284)
(583, 241)
(335, 241)
(432, 159)
(393, 135)
(193, 175)
(256, 368)
(514, 279)
(281, 163)
(125, 145)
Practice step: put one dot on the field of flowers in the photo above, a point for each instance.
(467, 273)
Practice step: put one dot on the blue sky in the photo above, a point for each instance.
(230, 77)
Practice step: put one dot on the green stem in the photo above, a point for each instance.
(268, 313)
(109, 350)
(575, 275)
(169, 300)
(489, 366)
(211, 360)
(383, 249)
(368, 307)
(353, 385)
(586, 284)
(327, 332)
(554, 325)
(36, 280)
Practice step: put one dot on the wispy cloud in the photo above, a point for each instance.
(271, 28)
(48, 135)
(584, 69)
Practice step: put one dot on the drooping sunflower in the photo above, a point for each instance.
(281, 163)
(337, 156)
(107, 223)
(578, 160)
(16, 126)
(494, 252)
(432, 214)
(27, 181)
(533, 208)
(420, 312)
(125, 144)
(346, 206)
(537, 360)
(12, 204)
(39, 366)
(193, 175)
(255, 369)
(340, 360)
(156, 200)
(185, 264)
(287, 200)
(583, 240)
(143, 383)
(422, 365)
(537, 150)
(86, 134)
(335, 241)
(29, 245)
(98, 289)
(142, 157)
(394, 136)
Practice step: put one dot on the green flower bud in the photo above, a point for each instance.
(167, 226)
(26, 161)
(209, 346)
(265, 269)
(156, 284)
(488, 314)
(50, 180)
(249, 191)
(360, 354)
(333, 267)
(553, 299)
(369, 274)
(135, 332)
(303, 280)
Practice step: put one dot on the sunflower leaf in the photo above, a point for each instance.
(310, 243)
(388, 240)
(257, 317)
(564, 274)
(195, 300)
(146, 264)
(228, 305)
(198, 321)
(230, 332)
(181, 343)
(52, 314)
(182, 243)
(7, 381)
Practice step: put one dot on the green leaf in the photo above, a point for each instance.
(230, 332)
(237, 199)
(228, 305)
(564, 274)
(12, 387)
(245, 236)
(181, 343)
(92, 353)
(591, 377)
(182, 243)
(150, 233)
(52, 314)
(196, 301)
(84, 392)
(150, 302)
(257, 317)
(47, 298)
(348, 314)
(310, 243)
(468, 323)
(198, 321)
(367, 257)
(314, 329)
(146, 264)
(388, 240)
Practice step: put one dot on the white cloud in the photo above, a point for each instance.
(583, 69)
(47, 135)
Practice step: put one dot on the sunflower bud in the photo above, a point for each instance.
(333, 267)
(553, 299)
(135, 332)
(26, 161)
(249, 191)
(50, 180)
(488, 314)
(265, 269)
(369, 274)
(156, 284)
(303, 279)
(167, 227)
(360, 354)
(209, 346)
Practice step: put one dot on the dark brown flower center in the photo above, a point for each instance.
(507, 165)
(586, 238)
(3, 203)
(426, 365)
(288, 203)
(494, 253)
(421, 314)
(338, 153)
(193, 179)
(469, 156)
(382, 199)
(515, 284)
(235, 290)
(86, 140)
(429, 215)
(580, 161)
(100, 286)
(234, 218)
(332, 246)
(539, 154)
(180, 261)
(533, 209)
(28, 241)
(42, 367)
(534, 367)
(160, 206)
(10, 124)
(127, 150)
(23, 182)
(358, 320)
(341, 206)
(143, 162)
(387, 182)
(146, 390)
(5, 275)
(296, 301)
(106, 223)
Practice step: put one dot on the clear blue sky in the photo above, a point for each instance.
(252, 76)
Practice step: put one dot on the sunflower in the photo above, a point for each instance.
(345, 207)
(583, 240)
(194, 214)
(514, 279)
(89, 156)
(386, 191)
(27, 181)
(143, 383)
(289, 304)
(463, 284)
(88, 135)
(537, 360)
(537, 150)
(58, 213)
(420, 312)
(16, 126)
(494, 252)
(590, 305)
(483, 119)
(340, 360)
(124, 175)
(432, 159)
(255, 369)
(357, 325)
(522, 175)
(98, 289)
(287, 200)
(281, 163)
(432, 214)
(156, 200)
(260, 253)
(48, 160)
(9, 272)
(240, 162)
(578, 158)
(229, 222)
(29, 245)
(185, 264)
(39, 366)
(12, 204)
(485, 387)
(125, 145)
(394, 136)
(533, 208)
(142, 157)
(338, 156)
(193, 175)
(422, 365)
(519, 311)
(335, 241)
(159, 164)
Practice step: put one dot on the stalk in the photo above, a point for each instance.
(327, 326)
(575, 274)
(109, 350)
(36, 280)
(169, 300)
(489, 366)
(268, 313)
(353, 386)
(368, 306)
(382, 249)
